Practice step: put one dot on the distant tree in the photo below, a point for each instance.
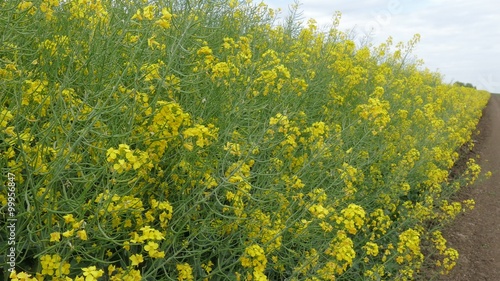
(461, 84)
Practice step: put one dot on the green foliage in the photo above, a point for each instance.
(201, 140)
(461, 84)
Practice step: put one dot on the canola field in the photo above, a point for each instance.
(205, 140)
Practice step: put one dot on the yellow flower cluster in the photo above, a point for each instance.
(52, 265)
(164, 139)
(89, 13)
(318, 211)
(34, 92)
(376, 111)
(350, 175)
(255, 259)
(111, 208)
(342, 249)
(380, 223)
(124, 159)
(148, 13)
(450, 255)
(237, 175)
(185, 272)
(5, 116)
(204, 135)
(268, 231)
(473, 171)
(26, 6)
(149, 238)
(409, 251)
(371, 249)
(90, 273)
(353, 218)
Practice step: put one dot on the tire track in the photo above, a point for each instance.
(476, 234)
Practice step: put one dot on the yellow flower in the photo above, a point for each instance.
(233, 148)
(136, 259)
(326, 226)
(63, 269)
(208, 266)
(151, 246)
(133, 39)
(68, 233)
(255, 257)
(55, 236)
(111, 154)
(409, 245)
(82, 234)
(164, 21)
(152, 249)
(79, 224)
(149, 233)
(24, 5)
(148, 12)
(47, 265)
(353, 218)
(126, 245)
(52, 264)
(205, 50)
(152, 43)
(21, 276)
(120, 166)
(318, 211)
(91, 273)
(342, 248)
(371, 249)
(204, 134)
(185, 272)
(5, 117)
(137, 15)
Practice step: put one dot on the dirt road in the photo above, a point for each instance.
(476, 234)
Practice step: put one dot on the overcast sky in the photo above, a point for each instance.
(459, 38)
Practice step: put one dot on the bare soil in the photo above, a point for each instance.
(476, 233)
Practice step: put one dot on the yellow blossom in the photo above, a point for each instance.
(82, 234)
(185, 272)
(92, 273)
(55, 236)
(68, 233)
(136, 259)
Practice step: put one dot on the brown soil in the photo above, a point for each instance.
(476, 233)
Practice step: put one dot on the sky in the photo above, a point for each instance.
(459, 38)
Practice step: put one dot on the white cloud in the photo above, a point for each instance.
(459, 38)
